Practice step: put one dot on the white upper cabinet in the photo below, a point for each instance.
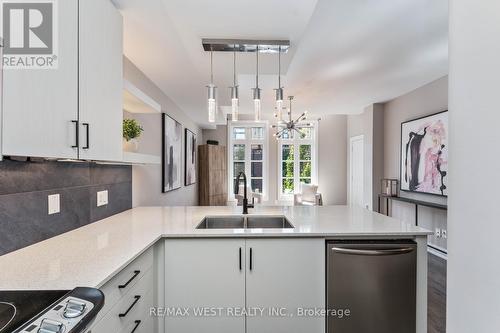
(48, 112)
(101, 81)
(39, 105)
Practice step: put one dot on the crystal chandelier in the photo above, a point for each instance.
(290, 126)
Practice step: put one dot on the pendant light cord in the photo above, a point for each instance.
(234, 65)
(257, 76)
(279, 68)
(211, 66)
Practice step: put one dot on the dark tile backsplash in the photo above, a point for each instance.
(24, 187)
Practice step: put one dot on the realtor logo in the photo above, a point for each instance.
(29, 33)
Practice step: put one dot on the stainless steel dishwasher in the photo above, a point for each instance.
(371, 286)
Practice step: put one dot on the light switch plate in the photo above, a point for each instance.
(54, 204)
(102, 198)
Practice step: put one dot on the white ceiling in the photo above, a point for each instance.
(344, 55)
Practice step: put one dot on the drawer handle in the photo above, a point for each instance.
(383, 252)
(136, 273)
(137, 323)
(137, 298)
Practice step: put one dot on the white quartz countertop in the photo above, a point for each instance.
(91, 255)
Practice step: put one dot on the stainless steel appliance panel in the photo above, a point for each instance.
(376, 282)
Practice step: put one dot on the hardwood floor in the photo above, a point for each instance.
(436, 293)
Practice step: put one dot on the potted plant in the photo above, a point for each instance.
(131, 131)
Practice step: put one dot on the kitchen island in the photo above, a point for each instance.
(95, 254)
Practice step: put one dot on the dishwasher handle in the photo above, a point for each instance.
(384, 252)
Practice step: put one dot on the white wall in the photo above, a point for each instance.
(473, 296)
(146, 180)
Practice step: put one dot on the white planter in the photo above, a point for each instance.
(132, 145)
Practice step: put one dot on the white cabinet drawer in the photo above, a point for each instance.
(117, 287)
(133, 306)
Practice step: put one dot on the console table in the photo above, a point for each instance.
(408, 200)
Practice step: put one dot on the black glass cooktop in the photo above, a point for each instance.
(17, 307)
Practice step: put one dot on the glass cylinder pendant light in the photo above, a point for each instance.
(256, 91)
(235, 102)
(212, 90)
(279, 91)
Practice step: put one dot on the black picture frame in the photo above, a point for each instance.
(401, 156)
(164, 165)
(190, 155)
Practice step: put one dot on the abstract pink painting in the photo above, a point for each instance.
(424, 154)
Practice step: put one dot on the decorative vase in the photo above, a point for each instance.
(131, 146)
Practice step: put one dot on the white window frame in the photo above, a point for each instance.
(296, 162)
(248, 152)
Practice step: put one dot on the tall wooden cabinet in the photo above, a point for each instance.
(212, 174)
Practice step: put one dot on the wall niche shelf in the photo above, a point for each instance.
(137, 158)
(136, 101)
(137, 104)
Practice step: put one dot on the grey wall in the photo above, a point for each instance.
(147, 179)
(25, 186)
(425, 100)
(473, 296)
(332, 154)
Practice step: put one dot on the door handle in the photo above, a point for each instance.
(251, 259)
(240, 259)
(87, 133)
(77, 134)
(385, 252)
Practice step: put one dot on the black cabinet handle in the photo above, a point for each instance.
(87, 132)
(251, 259)
(136, 273)
(240, 258)
(77, 134)
(137, 323)
(137, 298)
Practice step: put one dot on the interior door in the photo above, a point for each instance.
(204, 273)
(101, 81)
(40, 106)
(284, 276)
(356, 167)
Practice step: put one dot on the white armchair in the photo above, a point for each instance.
(256, 197)
(308, 196)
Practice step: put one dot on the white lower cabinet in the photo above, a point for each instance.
(275, 277)
(204, 273)
(287, 276)
(129, 295)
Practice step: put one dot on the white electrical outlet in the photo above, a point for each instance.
(54, 204)
(438, 233)
(102, 198)
(444, 233)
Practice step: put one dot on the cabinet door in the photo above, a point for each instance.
(285, 275)
(39, 105)
(101, 81)
(204, 273)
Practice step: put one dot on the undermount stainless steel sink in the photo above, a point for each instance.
(277, 222)
(244, 222)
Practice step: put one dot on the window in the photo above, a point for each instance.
(248, 154)
(297, 161)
